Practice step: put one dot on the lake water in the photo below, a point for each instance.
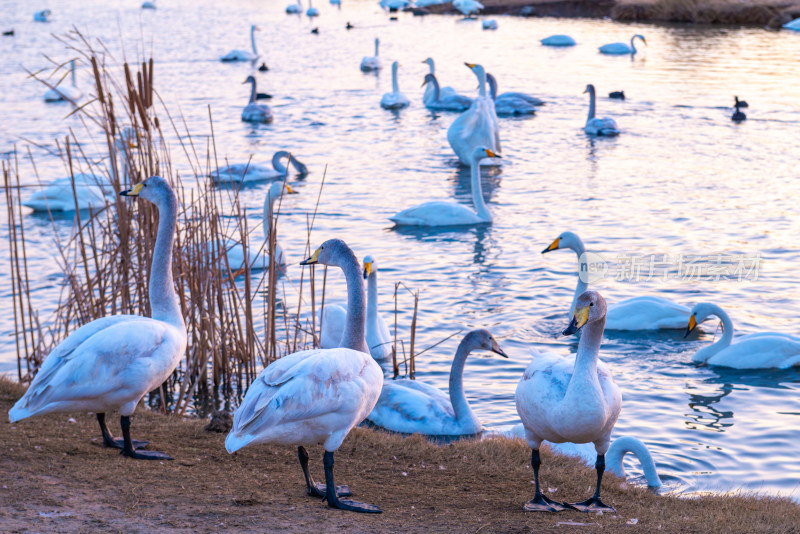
(681, 179)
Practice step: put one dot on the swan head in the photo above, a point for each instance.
(477, 69)
(429, 78)
(254, 28)
(566, 240)
(331, 252)
(699, 313)
(482, 153)
(430, 63)
(279, 188)
(589, 308)
(250, 79)
(154, 189)
(369, 266)
(482, 339)
(589, 89)
(640, 36)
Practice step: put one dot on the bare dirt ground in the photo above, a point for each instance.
(55, 478)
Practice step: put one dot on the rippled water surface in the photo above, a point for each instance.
(681, 179)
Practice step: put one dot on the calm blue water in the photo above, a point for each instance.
(681, 179)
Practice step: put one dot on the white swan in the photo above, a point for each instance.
(793, 25)
(571, 399)
(395, 99)
(638, 313)
(58, 196)
(112, 362)
(295, 8)
(394, 5)
(258, 172)
(763, 350)
(316, 396)
(253, 111)
(244, 55)
(435, 101)
(65, 92)
(512, 103)
(414, 407)
(311, 11)
(259, 258)
(531, 100)
(445, 213)
(598, 125)
(625, 444)
(618, 49)
(42, 16)
(476, 127)
(371, 63)
(334, 319)
(149, 4)
(467, 7)
(558, 40)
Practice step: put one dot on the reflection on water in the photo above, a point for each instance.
(681, 178)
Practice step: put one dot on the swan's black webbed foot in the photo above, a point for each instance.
(540, 503)
(593, 504)
(342, 490)
(128, 449)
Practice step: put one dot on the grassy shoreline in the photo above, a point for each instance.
(55, 478)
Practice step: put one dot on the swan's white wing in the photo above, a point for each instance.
(242, 172)
(437, 213)
(647, 313)
(410, 406)
(761, 351)
(475, 127)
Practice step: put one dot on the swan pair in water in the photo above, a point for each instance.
(476, 127)
(70, 93)
(441, 98)
(598, 125)
(619, 49)
(244, 55)
(395, 99)
(245, 173)
(253, 111)
(512, 103)
(372, 63)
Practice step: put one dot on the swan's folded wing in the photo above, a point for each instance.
(407, 406)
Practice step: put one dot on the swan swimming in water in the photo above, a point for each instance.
(618, 49)
(489, 24)
(476, 127)
(598, 125)
(65, 92)
(112, 362)
(258, 172)
(395, 99)
(295, 8)
(511, 103)
(763, 350)
(446, 213)
(334, 319)
(316, 396)
(414, 407)
(149, 4)
(244, 55)
(42, 16)
(638, 313)
(311, 11)
(254, 112)
(448, 99)
(562, 399)
(372, 63)
(558, 40)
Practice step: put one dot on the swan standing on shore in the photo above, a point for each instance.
(112, 362)
(372, 63)
(763, 350)
(244, 55)
(571, 399)
(618, 49)
(511, 103)
(66, 92)
(253, 111)
(476, 127)
(239, 173)
(558, 40)
(638, 313)
(395, 99)
(414, 407)
(316, 396)
(598, 125)
(334, 319)
(294, 9)
(446, 213)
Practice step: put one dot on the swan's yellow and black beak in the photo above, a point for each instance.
(497, 350)
(691, 326)
(367, 269)
(553, 246)
(490, 154)
(133, 192)
(470, 65)
(644, 40)
(313, 259)
(579, 319)
(289, 190)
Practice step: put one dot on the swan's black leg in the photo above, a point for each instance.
(314, 489)
(127, 445)
(333, 500)
(540, 503)
(594, 504)
(110, 441)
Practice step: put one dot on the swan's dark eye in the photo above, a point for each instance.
(591, 304)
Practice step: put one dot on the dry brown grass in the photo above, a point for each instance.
(50, 466)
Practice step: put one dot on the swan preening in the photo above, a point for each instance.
(395, 99)
(316, 396)
(445, 213)
(476, 127)
(258, 172)
(64, 92)
(112, 362)
(244, 55)
(558, 40)
(371, 63)
(762, 350)
(598, 125)
(638, 313)
(571, 400)
(618, 49)
(334, 319)
(412, 406)
(295, 8)
(441, 98)
(42, 16)
(254, 112)
(512, 103)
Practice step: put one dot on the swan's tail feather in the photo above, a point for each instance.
(234, 442)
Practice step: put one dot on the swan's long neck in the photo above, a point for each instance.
(431, 65)
(624, 445)
(372, 299)
(724, 341)
(377, 43)
(583, 267)
(591, 104)
(492, 86)
(584, 374)
(276, 161)
(633, 46)
(164, 304)
(253, 94)
(477, 191)
(481, 82)
(353, 336)
(435, 83)
(253, 40)
(458, 399)
(395, 88)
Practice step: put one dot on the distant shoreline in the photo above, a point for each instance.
(764, 13)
